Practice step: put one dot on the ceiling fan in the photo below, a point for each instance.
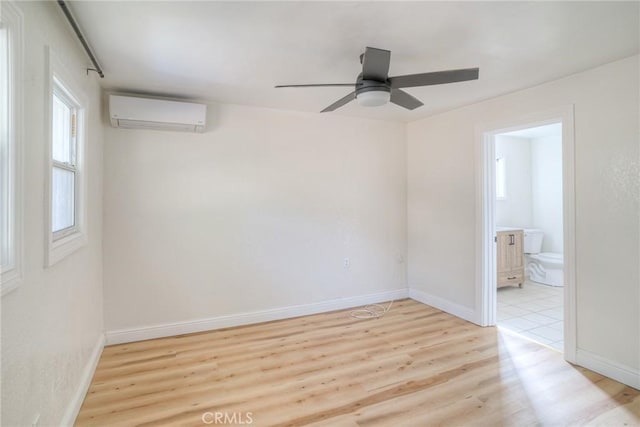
(374, 87)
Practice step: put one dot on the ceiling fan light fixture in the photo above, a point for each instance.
(374, 85)
(373, 98)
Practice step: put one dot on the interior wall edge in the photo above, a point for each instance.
(466, 313)
(73, 407)
(201, 325)
(609, 368)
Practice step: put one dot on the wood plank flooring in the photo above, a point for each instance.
(416, 366)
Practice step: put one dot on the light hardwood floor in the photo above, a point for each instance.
(416, 366)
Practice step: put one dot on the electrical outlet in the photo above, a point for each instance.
(346, 263)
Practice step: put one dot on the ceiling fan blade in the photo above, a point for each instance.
(375, 64)
(403, 99)
(317, 85)
(435, 78)
(340, 102)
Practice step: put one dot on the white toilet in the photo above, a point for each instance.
(542, 267)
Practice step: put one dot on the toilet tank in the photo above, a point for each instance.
(533, 241)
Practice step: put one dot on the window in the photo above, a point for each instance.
(64, 167)
(501, 179)
(10, 148)
(66, 225)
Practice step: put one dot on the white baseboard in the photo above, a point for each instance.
(179, 328)
(608, 368)
(457, 310)
(73, 408)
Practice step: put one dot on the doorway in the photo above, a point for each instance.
(528, 223)
(492, 186)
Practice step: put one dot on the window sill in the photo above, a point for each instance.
(64, 247)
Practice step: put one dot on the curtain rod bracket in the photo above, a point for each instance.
(100, 73)
(85, 45)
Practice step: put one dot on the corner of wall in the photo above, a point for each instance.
(73, 407)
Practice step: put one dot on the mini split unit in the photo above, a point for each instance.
(130, 112)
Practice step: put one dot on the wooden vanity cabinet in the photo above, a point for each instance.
(510, 254)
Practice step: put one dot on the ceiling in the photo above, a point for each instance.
(235, 52)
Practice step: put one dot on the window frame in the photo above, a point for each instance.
(62, 243)
(11, 153)
(62, 94)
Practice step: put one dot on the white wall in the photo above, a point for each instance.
(53, 321)
(546, 187)
(441, 197)
(534, 186)
(516, 210)
(257, 213)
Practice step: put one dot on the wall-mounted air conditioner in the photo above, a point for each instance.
(145, 113)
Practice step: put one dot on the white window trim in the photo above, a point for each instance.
(504, 178)
(13, 19)
(59, 248)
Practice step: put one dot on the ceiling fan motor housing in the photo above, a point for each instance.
(372, 93)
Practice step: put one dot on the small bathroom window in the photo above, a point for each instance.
(501, 179)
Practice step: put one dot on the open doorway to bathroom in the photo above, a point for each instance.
(529, 233)
(534, 294)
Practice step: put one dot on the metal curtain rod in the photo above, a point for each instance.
(75, 27)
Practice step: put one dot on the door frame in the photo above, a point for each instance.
(486, 296)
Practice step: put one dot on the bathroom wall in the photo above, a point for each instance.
(516, 209)
(546, 190)
(534, 186)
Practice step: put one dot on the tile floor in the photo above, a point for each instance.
(535, 311)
